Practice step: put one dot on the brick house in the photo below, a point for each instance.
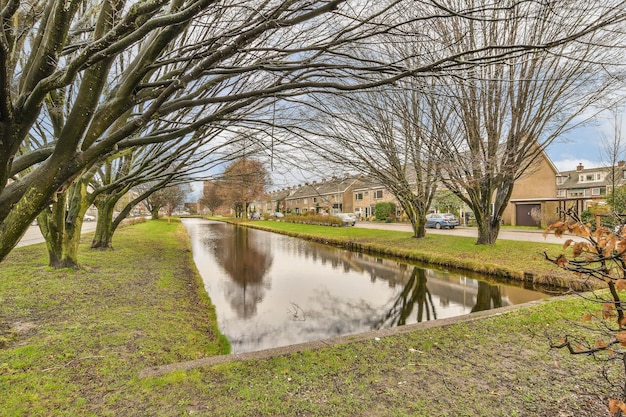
(533, 200)
(325, 196)
(367, 193)
(585, 187)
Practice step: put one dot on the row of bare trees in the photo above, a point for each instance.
(479, 128)
(98, 98)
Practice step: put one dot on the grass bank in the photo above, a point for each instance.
(520, 261)
(74, 343)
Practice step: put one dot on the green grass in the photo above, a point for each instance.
(523, 261)
(76, 342)
(139, 305)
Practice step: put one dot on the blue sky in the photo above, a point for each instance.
(585, 144)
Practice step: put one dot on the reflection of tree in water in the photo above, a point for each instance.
(414, 293)
(488, 297)
(339, 317)
(238, 254)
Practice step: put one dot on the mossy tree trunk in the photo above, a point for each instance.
(103, 236)
(61, 225)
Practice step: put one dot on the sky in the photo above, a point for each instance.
(585, 144)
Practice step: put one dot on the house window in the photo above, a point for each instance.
(358, 196)
(560, 193)
(624, 175)
(595, 191)
(305, 201)
(378, 194)
(314, 200)
(560, 180)
(594, 176)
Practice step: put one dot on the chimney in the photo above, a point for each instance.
(580, 167)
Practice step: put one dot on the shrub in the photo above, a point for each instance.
(384, 210)
(314, 219)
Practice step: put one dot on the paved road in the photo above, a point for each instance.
(505, 234)
(33, 234)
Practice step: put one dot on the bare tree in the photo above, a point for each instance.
(211, 198)
(156, 72)
(506, 113)
(143, 73)
(614, 157)
(168, 198)
(388, 135)
(242, 182)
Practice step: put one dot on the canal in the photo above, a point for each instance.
(272, 290)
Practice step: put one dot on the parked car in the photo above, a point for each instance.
(347, 218)
(89, 218)
(439, 220)
(254, 216)
(277, 214)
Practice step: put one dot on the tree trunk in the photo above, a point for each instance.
(488, 230)
(419, 227)
(154, 212)
(61, 226)
(103, 237)
(51, 224)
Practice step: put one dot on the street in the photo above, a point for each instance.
(33, 234)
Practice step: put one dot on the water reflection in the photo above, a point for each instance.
(243, 259)
(272, 290)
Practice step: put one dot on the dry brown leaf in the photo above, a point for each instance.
(610, 246)
(614, 406)
(561, 261)
(608, 311)
(620, 284)
(578, 248)
(601, 344)
(567, 243)
(587, 317)
(621, 338)
(580, 230)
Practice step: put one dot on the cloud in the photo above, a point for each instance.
(571, 164)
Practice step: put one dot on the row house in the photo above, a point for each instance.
(538, 197)
(325, 196)
(586, 187)
(369, 192)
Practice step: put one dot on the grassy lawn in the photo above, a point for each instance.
(510, 259)
(72, 343)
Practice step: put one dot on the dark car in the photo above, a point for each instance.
(439, 220)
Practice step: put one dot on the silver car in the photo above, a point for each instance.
(348, 219)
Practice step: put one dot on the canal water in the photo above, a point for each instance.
(272, 290)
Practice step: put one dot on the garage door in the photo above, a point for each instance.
(523, 214)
